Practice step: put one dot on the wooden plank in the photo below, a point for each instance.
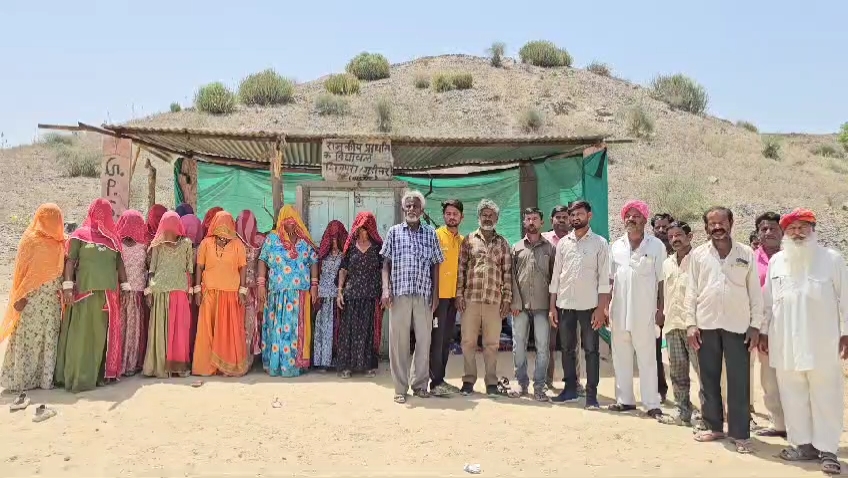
(277, 178)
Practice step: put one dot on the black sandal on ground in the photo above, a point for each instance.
(771, 432)
(829, 464)
(618, 407)
(800, 453)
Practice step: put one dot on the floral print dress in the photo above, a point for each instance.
(133, 309)
(322, 351)
(286, 309)
(31, 353)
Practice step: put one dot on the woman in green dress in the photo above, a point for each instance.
(90, 338)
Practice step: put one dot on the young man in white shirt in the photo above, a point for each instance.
(636, 309)
(724, 311)
(579, 294)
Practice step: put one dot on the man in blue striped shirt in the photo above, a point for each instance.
(411, 257)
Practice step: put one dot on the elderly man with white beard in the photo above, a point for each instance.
(806, 334)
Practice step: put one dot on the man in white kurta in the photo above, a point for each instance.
(806, 298)
(636, 273)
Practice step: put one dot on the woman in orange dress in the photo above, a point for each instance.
(34, 313)
(221, 344)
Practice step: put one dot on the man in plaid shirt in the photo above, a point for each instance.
(411, 257)
(483, 296)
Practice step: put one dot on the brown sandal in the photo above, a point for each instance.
(829, 464)
(706, 436)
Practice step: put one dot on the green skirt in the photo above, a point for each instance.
(81, 358)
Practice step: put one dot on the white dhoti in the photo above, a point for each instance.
(813, 407)
(643, 344)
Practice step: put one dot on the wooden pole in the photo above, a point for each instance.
(151, 183)
(277, 177)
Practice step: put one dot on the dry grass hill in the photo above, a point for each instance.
(679, 161)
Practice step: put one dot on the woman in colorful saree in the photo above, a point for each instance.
(290, 259)
(184, 209)
(358, 331)
(247, 231)
(220, 345)
(154, 215)
(133, 233)
(207, 219)
(194, 232)
(91, 332)
(34, 313)
(171, 265)
(330, 256)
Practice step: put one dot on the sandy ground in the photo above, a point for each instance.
(329, 427)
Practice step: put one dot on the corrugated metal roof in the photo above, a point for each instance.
(304, 150)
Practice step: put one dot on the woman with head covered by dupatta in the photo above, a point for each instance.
(194, 232)
(290, 258)
(34, 313)
(133, 233)
(207, 219)
(358, 331)
(171, 265)
(220, 345)
(154, 215)
(330, 257)
(184, 209)
(248, 232)
(91, 332)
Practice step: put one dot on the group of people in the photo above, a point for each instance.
(171, 295)
(721, 304)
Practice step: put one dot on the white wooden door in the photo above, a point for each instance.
(325, 206)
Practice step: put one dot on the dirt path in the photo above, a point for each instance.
(329, 427)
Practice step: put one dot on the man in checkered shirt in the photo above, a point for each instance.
(411, 257)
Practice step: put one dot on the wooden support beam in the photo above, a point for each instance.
(528, 189)
(151, 183)
(277, 177)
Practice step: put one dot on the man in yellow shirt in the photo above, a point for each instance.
(444, 323)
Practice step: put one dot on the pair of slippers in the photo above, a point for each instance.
(42, 412)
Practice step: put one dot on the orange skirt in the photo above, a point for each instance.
(220, 344)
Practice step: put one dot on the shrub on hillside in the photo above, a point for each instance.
(680, 92)
(422, 81)
(441, 83)
(827, 151)
(265, 88)
(78, 162)
(330, 104)
(531, 120)
(215, 98)
(639, 122)
(771, 148)
(452, 81)
(175, 107)
(462, 81)
(384, 115)
(496, 54)
(369, 66)
(683, 197)
(342, 84)
(747, 125)
(599, 68)
(57, 139)
(843, 136)
(544, 53)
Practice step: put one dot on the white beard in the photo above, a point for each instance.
(486, 228)
(799, 254)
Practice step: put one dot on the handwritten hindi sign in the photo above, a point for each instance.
(116, 173)
(356, 159)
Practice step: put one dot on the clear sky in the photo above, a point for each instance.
(776, 63)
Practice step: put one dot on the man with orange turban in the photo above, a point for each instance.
(805, 333)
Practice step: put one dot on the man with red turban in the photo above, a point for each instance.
(805, 333)
(636, 276)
